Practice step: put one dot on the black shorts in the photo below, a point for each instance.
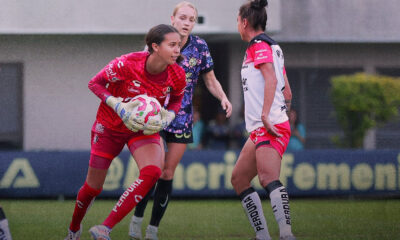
(177, 137)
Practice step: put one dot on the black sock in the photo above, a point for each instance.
(161, 199)
(141, 206)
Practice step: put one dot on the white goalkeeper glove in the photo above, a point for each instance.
(154, 126)
(124, 111)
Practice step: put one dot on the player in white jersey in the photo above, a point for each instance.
(266, 92)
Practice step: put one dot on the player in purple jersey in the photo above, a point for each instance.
(197, 61)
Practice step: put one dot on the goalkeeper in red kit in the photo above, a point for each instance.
(156, 74)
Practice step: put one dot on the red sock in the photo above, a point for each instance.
(84, 199)
(132, 196)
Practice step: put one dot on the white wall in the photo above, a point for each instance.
(58, 106)
(116, 17)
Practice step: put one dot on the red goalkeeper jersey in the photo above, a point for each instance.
(126, 77)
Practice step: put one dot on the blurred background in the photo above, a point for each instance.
(49, 50)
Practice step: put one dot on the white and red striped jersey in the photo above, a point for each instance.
(262, 49)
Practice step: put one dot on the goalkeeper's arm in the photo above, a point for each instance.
(124, 109)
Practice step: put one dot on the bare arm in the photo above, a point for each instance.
(216, 90)
(287, 93)
(268, 72)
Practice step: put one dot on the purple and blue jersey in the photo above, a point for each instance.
(197, 60)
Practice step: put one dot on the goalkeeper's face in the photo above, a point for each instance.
(184, 20)
(169, 49)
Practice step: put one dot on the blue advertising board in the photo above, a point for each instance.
(205, 173)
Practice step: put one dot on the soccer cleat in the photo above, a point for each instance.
(74, 235)
(135, 229)
(100, 232)
(151, 233)
(290, 237)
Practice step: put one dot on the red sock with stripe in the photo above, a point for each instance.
(86, 196)
(133, 195)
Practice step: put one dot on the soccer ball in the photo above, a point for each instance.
(148, 109)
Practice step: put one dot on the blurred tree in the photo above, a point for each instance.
(363, 101)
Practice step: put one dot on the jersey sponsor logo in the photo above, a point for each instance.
(111, 75)
(261, 51)
(133, 87)
(261, 56)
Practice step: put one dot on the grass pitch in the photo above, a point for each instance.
(215, 219)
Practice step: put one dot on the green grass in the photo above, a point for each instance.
(215, 219)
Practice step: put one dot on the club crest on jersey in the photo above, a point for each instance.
(278, 53)
(134, 86)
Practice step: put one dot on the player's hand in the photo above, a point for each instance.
(154, 126)
(124, 111)
(227, 106)
(270, 128)
(167, 117)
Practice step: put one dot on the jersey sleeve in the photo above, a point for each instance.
(178, 90)
(116, 70)
(207, 63)
(98, 85)
(262, 53)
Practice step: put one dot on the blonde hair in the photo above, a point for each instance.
(182, 4)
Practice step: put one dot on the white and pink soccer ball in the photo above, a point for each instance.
(148, 109)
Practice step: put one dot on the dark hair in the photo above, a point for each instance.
(254, 11)
(157, 35)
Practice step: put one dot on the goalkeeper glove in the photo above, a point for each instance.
(124, 111)
(154, 126)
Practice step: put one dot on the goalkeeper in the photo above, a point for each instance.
(178, 134)
(156, 74)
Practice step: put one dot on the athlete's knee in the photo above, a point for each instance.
(239, 182)
(151, 171)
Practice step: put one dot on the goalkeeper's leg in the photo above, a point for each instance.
(104, 147)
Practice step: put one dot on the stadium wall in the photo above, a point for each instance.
(58, 109)
(205, 174)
